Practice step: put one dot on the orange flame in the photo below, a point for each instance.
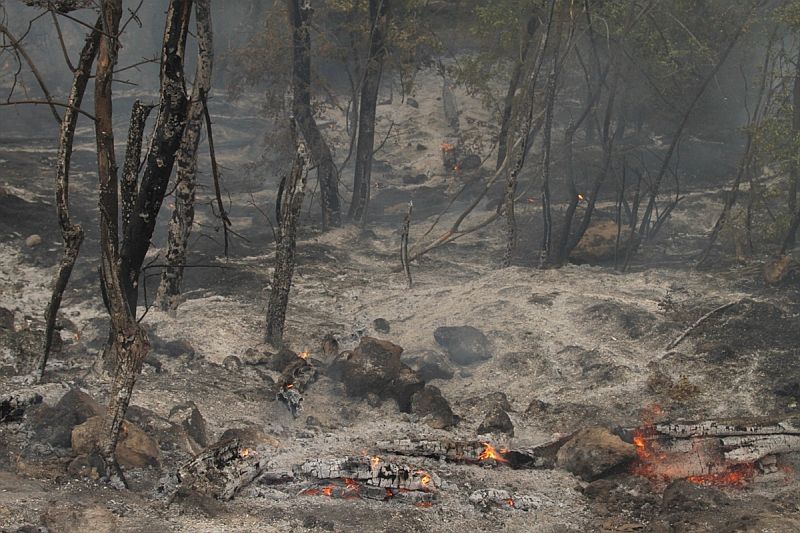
(510, 502)
(245, 452)
(327, 491)
(374, 462)
(489, 452)
(303, 355)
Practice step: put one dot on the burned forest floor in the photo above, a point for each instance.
(563, 367)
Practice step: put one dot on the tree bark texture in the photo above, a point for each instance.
(164, 144)
(290, 204)
(71, 233)
(379, 20)
(300, 12)
(180, 225)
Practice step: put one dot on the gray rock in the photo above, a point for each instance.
(381, 325)
(415, 180)
(188, 418)
(429, 365)
(464, 344)
(411, 102)
(497, 421)
(6, 319)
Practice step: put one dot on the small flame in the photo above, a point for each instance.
(446, 147)
(489, 452)
(245, 452)
(327, 491)
(425, 479)
(510, 502)
(374, 462)
(289, 385)
(581, 198)
(303, 355)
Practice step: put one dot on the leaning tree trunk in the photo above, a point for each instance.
(379, 20)
(71, 233)
(300, 12)
(183, 215)
(130, 339)
(164, 145)
(290, 202)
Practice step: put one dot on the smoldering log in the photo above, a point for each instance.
(371, 471)
(224, 469)
(752, 448)
(294, 381)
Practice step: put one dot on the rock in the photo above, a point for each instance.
(54, 425)
(432, 408)
(375, 367)
(257, 355)
(464, 344)
(14, 405)
(329, 348)
(177, 348)
(203, 504)
(411, 102)
(685, 496)
(6, 319)
(249, 437)
(79, 519)
(415, 180)
(537, 407)
(599, 242)
(135, 449)
(496, 421)
(470, 162)
(87, 466)
(232, 363)
(282, 359)
(421, 147)
(192, 424)
(381, 325)
(33, 241)
(429, 365)
(593, 452)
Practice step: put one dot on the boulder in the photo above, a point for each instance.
(496, 421)
(375, 367)
(135, 448)
(429, 365)
(432, 408)
(593, 452)
(54, 425)
(464, 344)
(599, 242)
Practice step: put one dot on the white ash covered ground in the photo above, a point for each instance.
(567, 349)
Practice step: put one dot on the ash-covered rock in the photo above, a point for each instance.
(429, 365)
(464, 344)
(497, 421)
(594, 452)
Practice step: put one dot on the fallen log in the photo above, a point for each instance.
(753, 448)
(370, 471)
(713, 428)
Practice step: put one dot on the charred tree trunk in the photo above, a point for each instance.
(183, 216)
(163, 148)
(513, 86)
(290, 202)
(379, 20)
(300, 12)
(71, 233)
(130, 339)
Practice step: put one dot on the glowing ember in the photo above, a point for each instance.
(510, 502)
(245, 452)
(303, 355)
(327, 491)
(424, 504)
(581, 198)
(490, 453)
(425, 480)
(447, 147)
(374, 462)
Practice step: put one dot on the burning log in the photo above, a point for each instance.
(223, 470)
(294, 381)
(477, 452)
